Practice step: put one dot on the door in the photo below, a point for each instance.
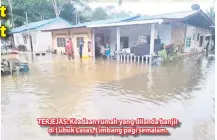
(124, 41)
(201, 41)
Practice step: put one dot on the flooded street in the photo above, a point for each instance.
(56, 87)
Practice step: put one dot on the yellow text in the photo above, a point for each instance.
(3, 30)
(3, 11)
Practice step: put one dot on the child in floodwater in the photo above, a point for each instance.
(107, 50)
(69, 49)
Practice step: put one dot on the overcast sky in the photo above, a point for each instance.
(154, 8)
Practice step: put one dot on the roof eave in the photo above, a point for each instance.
(203, 14)
(52, 30)
(127, 23)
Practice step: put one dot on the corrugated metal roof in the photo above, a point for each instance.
(35, 25)
(176, 15)
(107, 21)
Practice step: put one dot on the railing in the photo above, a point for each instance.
(131, 58)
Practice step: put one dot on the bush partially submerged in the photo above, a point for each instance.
(169, 52)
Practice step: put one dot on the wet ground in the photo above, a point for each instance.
(56, 87)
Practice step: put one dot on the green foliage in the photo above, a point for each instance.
(68, 12)
(211, 13)
(44, 9)
(99, 14)
(169, 56)
(34, 8)
(163, 54)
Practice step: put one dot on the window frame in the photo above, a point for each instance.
(61, 42)
(188, 42)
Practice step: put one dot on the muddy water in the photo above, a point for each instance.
(56, 87)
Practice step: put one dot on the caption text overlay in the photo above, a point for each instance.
(122, 127)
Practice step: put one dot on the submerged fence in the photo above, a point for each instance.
(124, 58)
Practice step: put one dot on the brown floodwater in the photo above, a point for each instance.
(56, 87)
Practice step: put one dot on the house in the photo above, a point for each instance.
(185, 29)
(33, 38)
(77, 33)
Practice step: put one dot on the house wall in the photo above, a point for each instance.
(163, 30)
(178, 34)
(73, 34)
(57, 34)
(41, 41)
(18, 39)
(180, 31)
(81, 32)
(192, 32)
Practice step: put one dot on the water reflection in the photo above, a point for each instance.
(56, 87)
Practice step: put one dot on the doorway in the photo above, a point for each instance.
(124, 41)
(201, 41)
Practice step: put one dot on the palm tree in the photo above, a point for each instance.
(211, 12)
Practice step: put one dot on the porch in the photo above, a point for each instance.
(132, 42)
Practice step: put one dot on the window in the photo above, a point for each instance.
(201, 41)
(188, 42)
(125, 41)
(193, 37)
(61, 42)
(25, 39)
(79, 40)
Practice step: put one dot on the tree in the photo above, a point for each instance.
(85, 15)
(58, 6)
(211, 11)
(110, 9)
(36, 9)
(68, 12)
(11, 11)
(99, 14)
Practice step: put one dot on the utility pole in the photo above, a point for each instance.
(76, 11)
(12, 16)
(76, 15)
(27, 24)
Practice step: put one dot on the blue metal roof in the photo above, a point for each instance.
(107, 21)
(175, 15)
(35, 25)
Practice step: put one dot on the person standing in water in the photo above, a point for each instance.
(81, 48)
(89, 49)
(107, 50)
(69, 49)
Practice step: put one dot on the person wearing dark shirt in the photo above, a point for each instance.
(81, 48)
